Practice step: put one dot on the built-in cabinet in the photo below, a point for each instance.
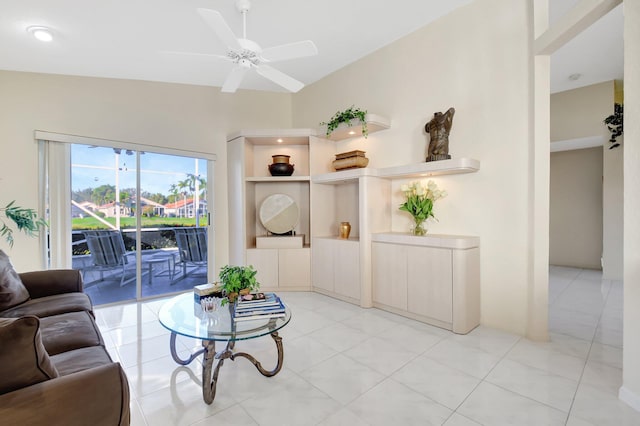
(281, 268)
(420, 277)
(363, 197)
(336, 267)
(435, 279)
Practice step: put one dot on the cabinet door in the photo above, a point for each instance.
(430, 288)
(265, 261)
(294, 267)
(322, 263)
(346, 264)
(389, 270)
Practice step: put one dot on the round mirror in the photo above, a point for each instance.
(279, 213)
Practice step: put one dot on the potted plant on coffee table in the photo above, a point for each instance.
(237, 280)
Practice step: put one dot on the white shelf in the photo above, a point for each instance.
(344, 176)
(278, 179)
(337, 238)
(375, 123)
(432, 168)
(459, 242)
(271, 136)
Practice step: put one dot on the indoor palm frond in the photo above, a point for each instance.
(26, 220)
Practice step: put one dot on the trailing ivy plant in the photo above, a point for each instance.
(346, 116)
(26, 220)
(614, 123)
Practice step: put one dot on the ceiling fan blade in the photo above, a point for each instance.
(283, 52)
(234, 79)
(205, 55)
(280, 78)
(215, 20)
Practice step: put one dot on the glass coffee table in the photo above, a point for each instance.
(181, 315)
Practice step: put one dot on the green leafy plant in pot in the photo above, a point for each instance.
(346, 116)
(237, 280)
(615, 125)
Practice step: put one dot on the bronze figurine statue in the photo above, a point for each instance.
(438, 129)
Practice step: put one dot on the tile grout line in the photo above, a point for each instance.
(482, 380)
(584, 367)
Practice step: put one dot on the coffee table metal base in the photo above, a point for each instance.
(210, 374)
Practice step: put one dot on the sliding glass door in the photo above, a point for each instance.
(139, 222)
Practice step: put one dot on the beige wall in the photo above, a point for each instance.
(177, 116)
(575, 223)
(476, 60)
(630, 391)
(578, 113)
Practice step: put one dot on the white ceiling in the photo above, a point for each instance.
(129, 38)
(596, 54)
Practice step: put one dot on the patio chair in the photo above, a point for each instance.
(192, 247)
(108, 253)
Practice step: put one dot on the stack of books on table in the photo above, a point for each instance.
(258, 306)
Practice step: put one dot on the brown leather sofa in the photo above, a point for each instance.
(54, 367)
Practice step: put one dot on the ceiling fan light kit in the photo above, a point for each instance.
(246, 54)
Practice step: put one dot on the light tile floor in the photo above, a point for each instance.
(350, 366)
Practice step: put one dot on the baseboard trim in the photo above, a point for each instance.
(629, 398)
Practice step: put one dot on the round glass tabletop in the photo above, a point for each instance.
(182, 315)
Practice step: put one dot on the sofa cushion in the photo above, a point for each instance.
(12, 291)
(66, 332)
(80, 359)
(51, 305)
(23, 359)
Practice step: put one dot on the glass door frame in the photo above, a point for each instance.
(55, 197)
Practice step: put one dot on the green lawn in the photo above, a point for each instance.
(130, 222)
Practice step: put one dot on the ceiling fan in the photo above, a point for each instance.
(247, 54)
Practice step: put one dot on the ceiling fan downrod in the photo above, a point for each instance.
(243, 7)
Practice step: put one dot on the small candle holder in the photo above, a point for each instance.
(210, 305)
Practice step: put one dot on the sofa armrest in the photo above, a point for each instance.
(97, 396)
(54, 281)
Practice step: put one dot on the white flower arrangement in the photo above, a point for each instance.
(420, 197)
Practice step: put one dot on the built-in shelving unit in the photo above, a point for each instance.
(375, 123)
(249, 154)
(363, 196)
(375, 266)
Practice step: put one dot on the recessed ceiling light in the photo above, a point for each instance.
(41, 33)
(352, 132)
(279, 141)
